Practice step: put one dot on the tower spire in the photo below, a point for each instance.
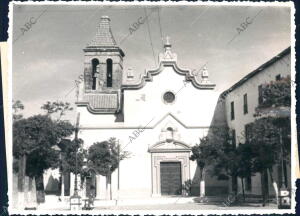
(104, 36)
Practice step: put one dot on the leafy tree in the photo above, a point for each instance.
(244, 163)
(270, 133)
(217, 155)
(104, 157)
(269, 138)
(17, 107)
(276, 94)
(33, 142)
(68, 149)
(209, 154)
(58, 107)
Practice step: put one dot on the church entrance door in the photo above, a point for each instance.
(170, 175)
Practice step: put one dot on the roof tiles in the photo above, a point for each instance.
(103, 37)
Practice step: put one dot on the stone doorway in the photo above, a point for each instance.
(170, 177)
(170, 167)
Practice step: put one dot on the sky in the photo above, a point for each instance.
(48, 56)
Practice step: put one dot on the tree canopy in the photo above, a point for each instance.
(104, 158)
(36, 136)
(17, 107)
(276, 93)
(68, 150)
(57, 107)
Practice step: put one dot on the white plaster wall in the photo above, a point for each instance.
(194, 107)
(251, 88)
(193, 110)
(135, 172)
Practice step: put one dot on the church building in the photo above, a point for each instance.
(157, 119)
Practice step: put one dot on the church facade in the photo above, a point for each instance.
(157, 119)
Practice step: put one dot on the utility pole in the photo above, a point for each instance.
(282, 160)
(76, 168)
(75, 200)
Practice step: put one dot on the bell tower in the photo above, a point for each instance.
(103, 68)
(103, 64)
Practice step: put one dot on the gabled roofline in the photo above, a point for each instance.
(148, 76)
(257, 71)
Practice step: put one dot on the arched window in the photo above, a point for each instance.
(95, 63)
(109, 69)
(170, 133)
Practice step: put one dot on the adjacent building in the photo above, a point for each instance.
(241, 101)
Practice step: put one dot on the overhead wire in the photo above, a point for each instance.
(160, 28)
(148, 27)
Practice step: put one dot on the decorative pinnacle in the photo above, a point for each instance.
(105, 18)
(167, 44)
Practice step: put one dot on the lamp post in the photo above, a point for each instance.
(75, 200)
(89, 200)
(284, 194)
(76, 172)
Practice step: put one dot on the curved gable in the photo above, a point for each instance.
(169, 59)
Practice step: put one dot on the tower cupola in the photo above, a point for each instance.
(103, 68)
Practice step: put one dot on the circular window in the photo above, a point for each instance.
(169, 97)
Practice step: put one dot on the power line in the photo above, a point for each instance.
(148, 27)
(160, 28)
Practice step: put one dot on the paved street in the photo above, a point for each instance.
(170, 203)
(187, 206)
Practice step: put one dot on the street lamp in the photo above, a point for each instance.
(284, 194)
(75, 200)
(89, 201)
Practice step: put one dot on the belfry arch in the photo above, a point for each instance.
(95, 73)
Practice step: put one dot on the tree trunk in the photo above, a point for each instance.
(285, 173)
(62, 186)
(108, 187)
(21, 173)
(262, 182)
(265, 186)
(243, 188)
(110, 190)
(274, 183)
(234, 184)
(21, 181)
(40, 192)
(202, 183)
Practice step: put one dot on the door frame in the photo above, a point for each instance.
(179, 174)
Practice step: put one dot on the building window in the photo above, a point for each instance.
(260, 95)
(95, 63)
(245, 104)
(109, 70)
(170, 134)
(233, 138)
(169, 97)
(248, 183)
(278, 77)
(232, 110)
